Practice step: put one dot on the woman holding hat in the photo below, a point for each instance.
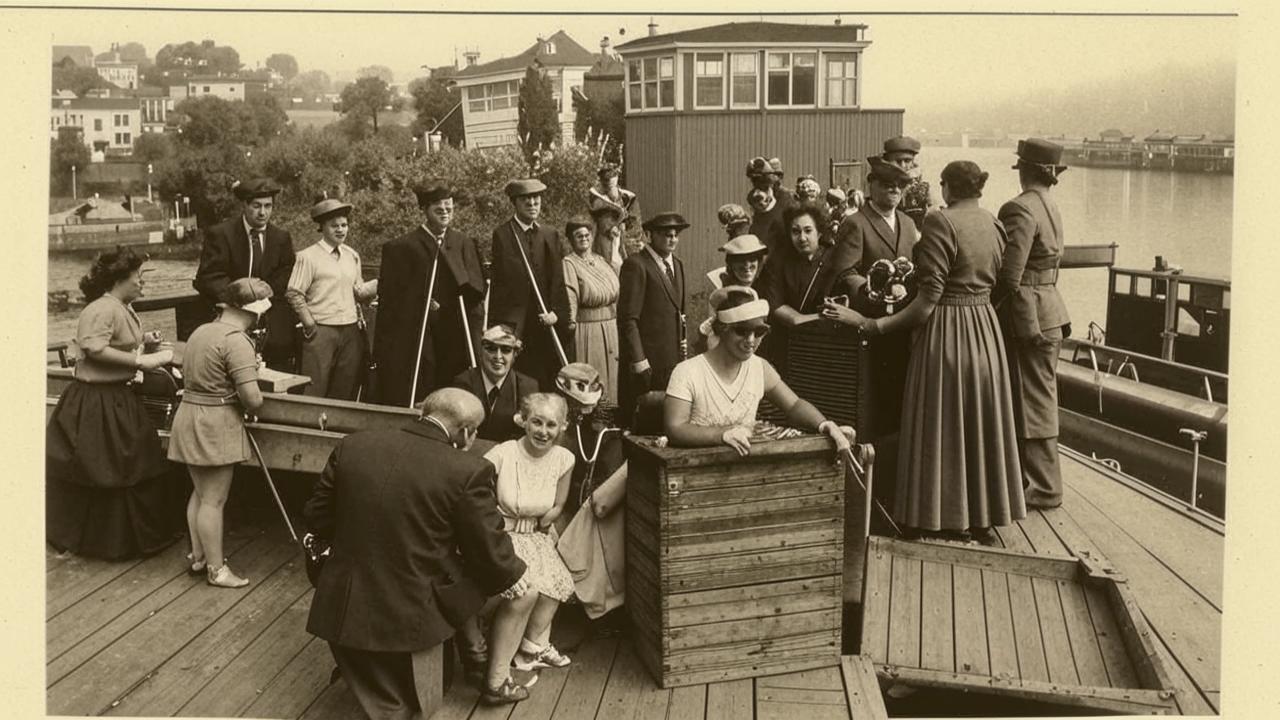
(607, 194)
(208, 435)
(1035, 317)
(592, 287)
(712, 398)
(958, 472)
(105, 491)
(608, 234)
(326, 290)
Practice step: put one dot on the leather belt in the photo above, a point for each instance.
(1039, 277)
(208, 399)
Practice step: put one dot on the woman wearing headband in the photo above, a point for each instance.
(712, 398)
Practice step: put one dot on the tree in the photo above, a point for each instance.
(539, 122)
(205, 175)
(151, 147)
(603, 116)
(269, 118)
(134, 52)
(310, 84)
(433, 100)
(362, 100)
(64, 152)
(211, 121)
(379, 71)
(79, 80)
(203, 57)
(284, 64)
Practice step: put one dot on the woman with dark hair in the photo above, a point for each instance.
(712, 398)
(800, 280)
(105, 491)
(593, 305)
(958, 472)
(221, 370)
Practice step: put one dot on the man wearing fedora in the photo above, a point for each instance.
(903, 151)
(326, 290)
(528, 275)
(404, 280)
(1034, 316)
(248, 245)
(651, 319)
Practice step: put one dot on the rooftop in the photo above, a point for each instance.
(99, 104)
(568, 53)
(763, 33)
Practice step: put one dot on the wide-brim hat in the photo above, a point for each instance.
(837, 195)
(664, 220)
(255, 188)
(247, 293)
(744, 245)
(523, 187)
(775, 167)
(758, 166)
(329, 208)
(434, 193)
(732, 214)
(886, 172)
(502, 335)
(580, 382)
(1040, 153)
(608, 171)
(902, 143)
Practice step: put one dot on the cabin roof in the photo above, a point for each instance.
(568, 53)
(762, 33)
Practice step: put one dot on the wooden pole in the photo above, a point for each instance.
(466, 331)
(422, 334)
(564, 360)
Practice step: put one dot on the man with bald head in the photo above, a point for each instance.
(417, 547)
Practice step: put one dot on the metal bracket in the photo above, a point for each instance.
(674, 485)
(323, 421)
(1099, 568)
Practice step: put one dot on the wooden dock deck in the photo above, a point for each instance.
(144, 638)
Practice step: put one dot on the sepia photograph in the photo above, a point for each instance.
(599, 363)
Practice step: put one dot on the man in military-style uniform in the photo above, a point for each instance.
(902, 151)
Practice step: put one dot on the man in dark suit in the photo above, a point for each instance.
(417, 547)
(651, 320)
(879, 231)
(403, 283)
(524, 253)
(1033, 315)
(248, 245)
(497, 385)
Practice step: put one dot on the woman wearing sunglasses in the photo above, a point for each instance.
(712, 397)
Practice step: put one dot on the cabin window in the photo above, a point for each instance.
(651, 83)
(746, 80)
(708, 80)
(493, 96)
(842, 79)
(97, 124)
(792, 79)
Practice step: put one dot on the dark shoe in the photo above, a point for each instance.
(1043, 505)
(506, 693)
(984, 536)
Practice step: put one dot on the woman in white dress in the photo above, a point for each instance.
(712, 398)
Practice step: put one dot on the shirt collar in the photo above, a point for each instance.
(889, 217)
(248, 229)
(438, 238)
(524, 227)
(662, 262)
(489, 384)
(330, 248)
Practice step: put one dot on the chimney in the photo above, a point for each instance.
(653, 27)
(471, 57)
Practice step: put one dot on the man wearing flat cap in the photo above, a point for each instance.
(903, 151)
(499, 387)
(326, 290)
(880, 230)
(1033, 315)
(651, 318)
(529, 293)
(248, 245)
(404, 280)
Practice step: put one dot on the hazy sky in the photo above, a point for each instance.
(914, 59)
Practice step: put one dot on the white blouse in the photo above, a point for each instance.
(715, 402)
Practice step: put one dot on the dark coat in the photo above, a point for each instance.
(417, 541)
(649, 314)
(513, 301)
(402, 297)
(224, 257)
(864, 237)
(499, 421)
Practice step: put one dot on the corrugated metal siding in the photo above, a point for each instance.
(651, 168)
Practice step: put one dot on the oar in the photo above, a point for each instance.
(266, 473)
(422, 335)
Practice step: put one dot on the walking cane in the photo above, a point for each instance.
(422, 335)
(466, 331)
(488, 288)
(266, 473)
(538, 294)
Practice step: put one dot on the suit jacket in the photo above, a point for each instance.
(512, 301)
(402, 297)
(224, 257)
(417, 541)
(499, 421)
(864, 237)
(650, 311)
(1026, 290)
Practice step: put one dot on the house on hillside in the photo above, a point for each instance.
(122, 74)
(491, 91)
(701, 103)
(227, 87)
(107, 125)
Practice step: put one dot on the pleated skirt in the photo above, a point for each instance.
(958, 458)
(596, 341)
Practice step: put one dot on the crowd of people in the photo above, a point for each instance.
(507, 492)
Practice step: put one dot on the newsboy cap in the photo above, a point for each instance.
(1037, 151)
(527, 186)
(664, 220)
(329, 208)
(255, 188)
(902, 143)
(244, 291)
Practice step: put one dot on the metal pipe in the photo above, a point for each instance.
(1196, 436)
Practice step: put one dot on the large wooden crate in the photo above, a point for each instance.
(734, 565)
(1058, 630)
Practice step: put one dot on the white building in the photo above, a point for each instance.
(225, 87)
(123, 75)
(106, 124)
(491, 91)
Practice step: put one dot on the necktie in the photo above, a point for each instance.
(255, 250)
(671, 273)
(493, 396)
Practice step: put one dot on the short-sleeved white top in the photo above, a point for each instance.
(716, 403)
(526, 486)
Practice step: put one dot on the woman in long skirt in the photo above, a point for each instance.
(958, 471)
(593, 305)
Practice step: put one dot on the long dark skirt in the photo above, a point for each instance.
(958, 448)
(108, 493)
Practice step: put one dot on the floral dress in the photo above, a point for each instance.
(526, 489)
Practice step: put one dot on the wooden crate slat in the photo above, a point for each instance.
(1080, 631)
(709, 636)
(1053, 630)
(731, 700)
(757, 513)
(1002, 643)
(782, 565)
(904, 612)
(1118, 700)
(875, 602)
(862, 688)
(993, 558)
(1026, 629)
(752, 601)
(937, 633)
(762, 657)
(969, 618)
(815, 532)
(1115, 657)
(775, 487)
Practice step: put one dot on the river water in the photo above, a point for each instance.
(1184, 217)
